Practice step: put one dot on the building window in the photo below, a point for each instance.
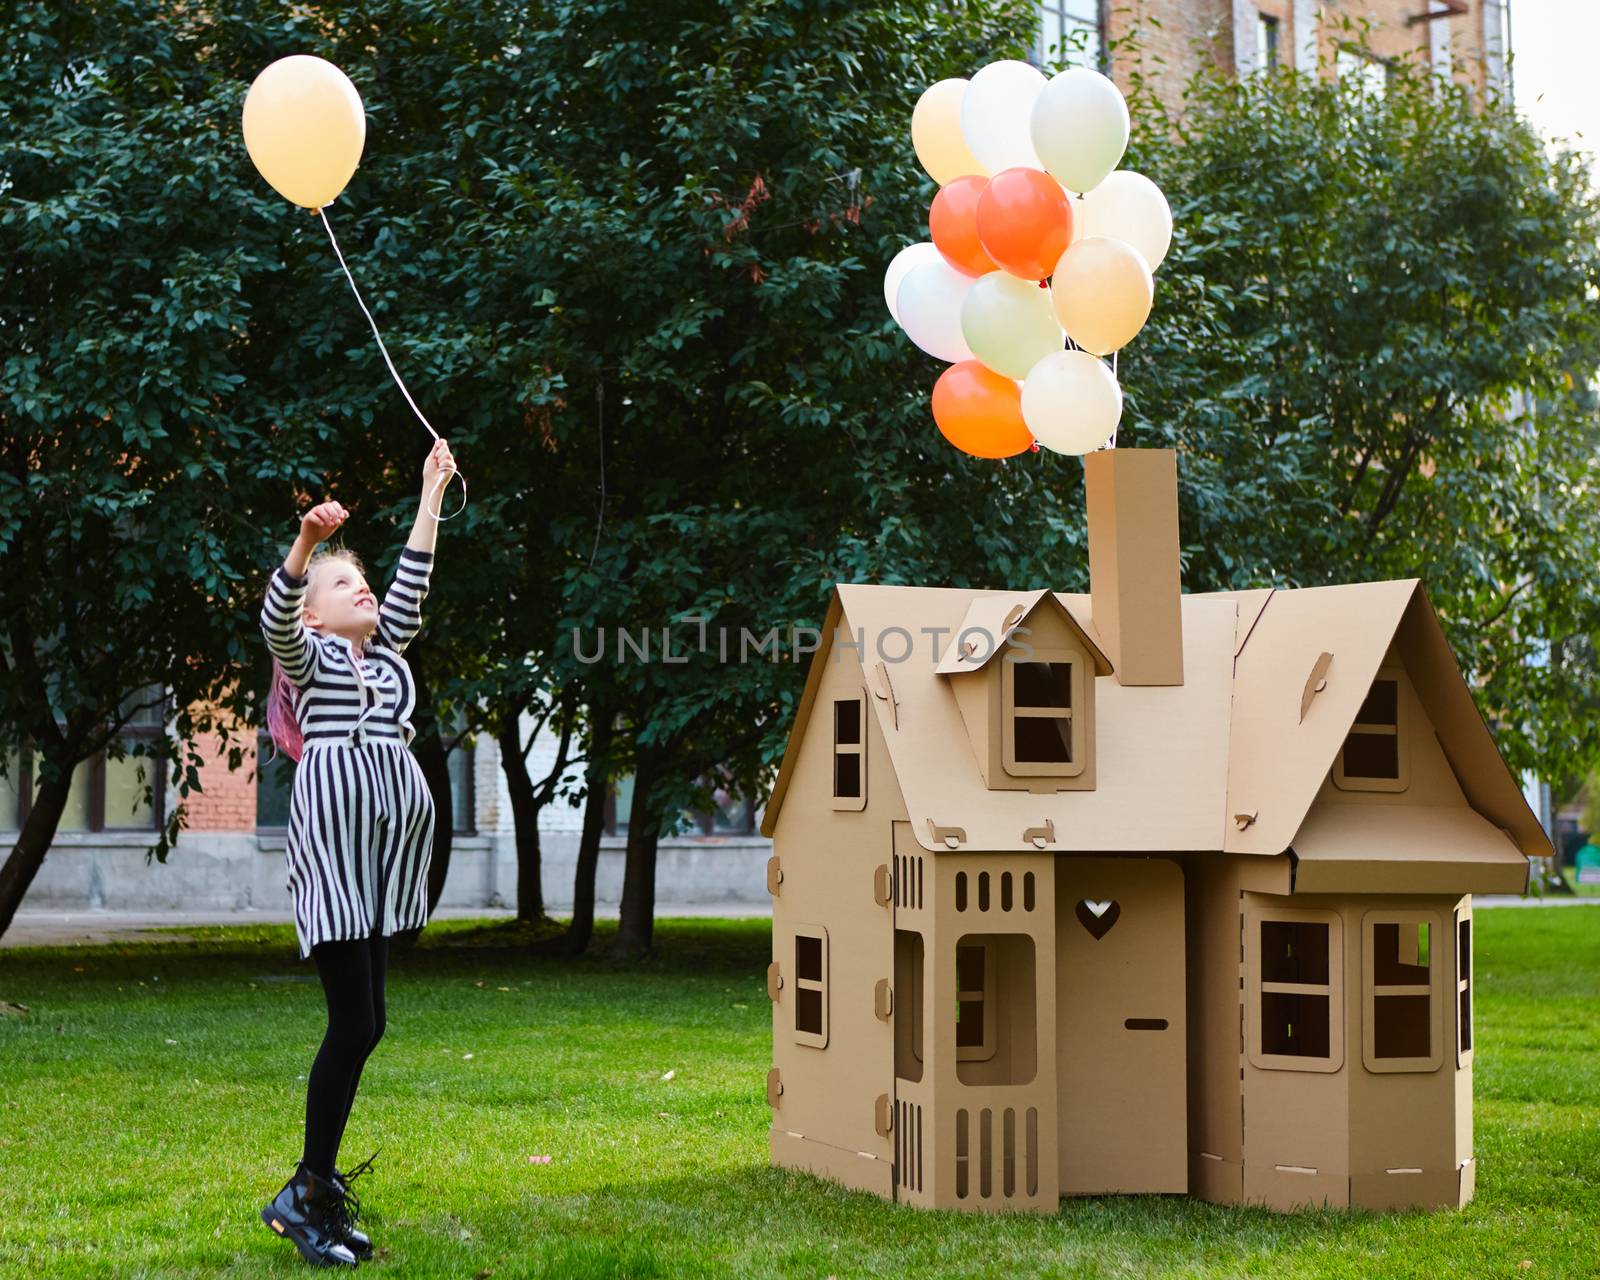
(106, 794)
(460, 764)
(1400, 1011)
(1071, 33)
(1370, 74)
(1374, 755)
(1463, 987)
(1267, 33)
(274, 783)
(1293, 973)
(729, 814)
(1043, 733)
(850, 752)
(811, 985)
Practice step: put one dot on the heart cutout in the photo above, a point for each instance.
(1098, 917)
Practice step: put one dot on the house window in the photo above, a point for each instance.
(105, 794)
(908, 956)
(1463, 988)
(849, 752)
(811, 985)
(1374, 755)
(1293, 973)
(1267, 29)
(460, 765)
(1400, 1008)
(996, 1019)
(974, 1001)
(1040, 709)
(1071, 33)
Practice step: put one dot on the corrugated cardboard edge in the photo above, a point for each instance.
(802, 714)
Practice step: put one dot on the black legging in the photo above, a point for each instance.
(352, 980)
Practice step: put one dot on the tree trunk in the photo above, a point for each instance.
(636, 930)
(33, 842)
(581, 930)
(525, 821)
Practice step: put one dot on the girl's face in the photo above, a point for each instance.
(340, 602)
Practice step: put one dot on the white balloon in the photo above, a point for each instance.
(1071, 402)
(996, 113)
(1127, 206)
(1009, 323)
(900, 266)
(1078, 127)
(929, 307)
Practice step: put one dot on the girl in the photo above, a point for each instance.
(360, 825)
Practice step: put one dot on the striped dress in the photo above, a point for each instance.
(360, 815)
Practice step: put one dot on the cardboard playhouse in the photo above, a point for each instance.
(1136, 891)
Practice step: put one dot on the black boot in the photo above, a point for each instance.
(307, 1212)
(349, 1210)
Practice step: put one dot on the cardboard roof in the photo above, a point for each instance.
(996, 617)
(1174, 763)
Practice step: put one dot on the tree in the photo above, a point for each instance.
(1367, 295)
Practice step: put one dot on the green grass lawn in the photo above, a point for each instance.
(152, 1097)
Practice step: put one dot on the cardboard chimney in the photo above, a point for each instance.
(1136, 891)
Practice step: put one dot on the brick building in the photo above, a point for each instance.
(1466, 39)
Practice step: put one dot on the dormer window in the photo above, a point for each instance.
(1042, 725)
(1373, 757)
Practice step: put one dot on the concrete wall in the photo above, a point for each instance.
(236, 871)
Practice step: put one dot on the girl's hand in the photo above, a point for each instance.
(439, 462)
(318, 524)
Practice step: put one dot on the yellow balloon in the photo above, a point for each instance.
(1102, 291)
(304, 128)
(936, 134)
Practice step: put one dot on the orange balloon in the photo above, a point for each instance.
(1024, 222)
(980, 411)
(954, 226)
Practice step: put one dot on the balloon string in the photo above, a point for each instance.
(444, 478)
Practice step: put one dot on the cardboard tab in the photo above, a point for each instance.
(774, 874)
(883, 1000)
(774, 1087)
(774, 981)
(882, 885)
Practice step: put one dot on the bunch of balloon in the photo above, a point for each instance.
(1039, 260)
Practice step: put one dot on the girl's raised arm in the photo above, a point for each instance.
(288, 638)
(400, 615)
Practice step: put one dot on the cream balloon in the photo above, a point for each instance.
(912, 256)
(929, 306)
(1071, 402)
(1102, 291)
(936, 133)
(1127, 206)
(304, 128)
(995, 112)
(1079, 128)
(1009, 324)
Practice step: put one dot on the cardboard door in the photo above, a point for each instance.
(1123, 1118)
